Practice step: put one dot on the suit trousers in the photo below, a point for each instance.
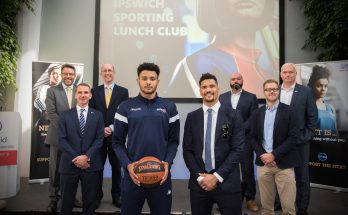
(271, 179)
(302, 178)
(202, 202)
(108, 151)
(55, 155)
(248, 177)
(69, 184)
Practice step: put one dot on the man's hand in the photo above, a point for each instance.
(272, 164)
(267, 158)
(166, 171)
(133, 176)
(107, 131)
(81, 161)
(209, 181)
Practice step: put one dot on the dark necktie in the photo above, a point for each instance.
(82, 121)
(207, 144)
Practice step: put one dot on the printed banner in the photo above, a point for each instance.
(328, 163)
(45, 75)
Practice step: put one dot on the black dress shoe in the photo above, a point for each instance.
(77, 204)
(302, 211)
(117, 202)
(52, 207)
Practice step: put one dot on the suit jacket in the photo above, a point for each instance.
(56, 102)
(72, 143)
(247, 103)
(306, 110)
(119, 94)
(227, 149)
(284, 136)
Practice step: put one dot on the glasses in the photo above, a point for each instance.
(271, 89)
(68, 74)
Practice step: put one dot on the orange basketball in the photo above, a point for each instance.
(150, 171)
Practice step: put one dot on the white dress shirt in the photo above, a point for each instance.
(286, 94)
(215, 111)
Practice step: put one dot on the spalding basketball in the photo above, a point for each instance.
(150, 171)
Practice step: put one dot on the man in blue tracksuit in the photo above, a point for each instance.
(150, 126)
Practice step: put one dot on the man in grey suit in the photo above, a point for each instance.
(302, 100)
(58, 99)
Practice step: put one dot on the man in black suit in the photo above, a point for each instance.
(246, 103)
(302, 100)
(80, 139)
(212, 145)
(106, 98)
(274, 134)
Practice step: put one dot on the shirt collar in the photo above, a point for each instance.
(64, 86)
(238, 93)
(111, 86)
(289, 89)
(274, 107)
(214, 107)
(79, 108)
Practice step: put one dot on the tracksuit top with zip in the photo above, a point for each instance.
(145, 127)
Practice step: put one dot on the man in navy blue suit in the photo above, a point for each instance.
(301, 98)
(212, 146)
(246, 103)
(274, 134)
(81, 132)
(106, 98)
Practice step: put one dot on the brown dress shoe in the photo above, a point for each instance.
(252, 206)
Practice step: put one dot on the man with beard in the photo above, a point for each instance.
(246, 103)
(212, 145)
(150, 126)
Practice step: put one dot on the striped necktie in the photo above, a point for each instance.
(82, 121)
(207, 145)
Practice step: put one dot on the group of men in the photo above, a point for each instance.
(219, 142)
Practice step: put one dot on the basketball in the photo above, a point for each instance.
(150, 171)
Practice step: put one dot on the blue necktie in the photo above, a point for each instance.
(82, 121)
(207, 144)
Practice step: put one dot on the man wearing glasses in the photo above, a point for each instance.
(274, 134)
(58, 99)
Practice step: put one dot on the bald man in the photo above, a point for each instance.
(301, 98)
(246, 103)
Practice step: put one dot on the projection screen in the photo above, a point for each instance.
(187, 38)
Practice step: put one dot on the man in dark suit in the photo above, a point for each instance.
(212, 145)
(81, 133)
(302, 100)
(246, 103)
(274, 134)
(58, 99)
(106, 98)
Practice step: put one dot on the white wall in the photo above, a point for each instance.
(29, 39)
(295, 35)
(67, 35)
